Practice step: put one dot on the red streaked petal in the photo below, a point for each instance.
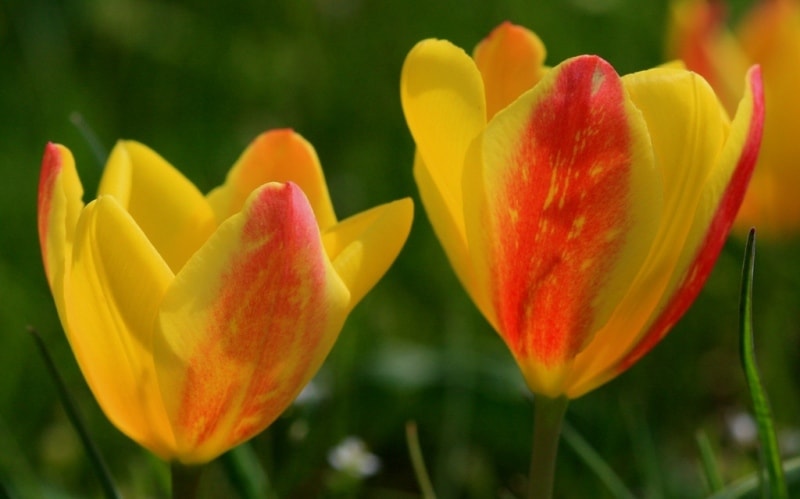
(721, 200)
(275, 156)
(571, 196)
(511, 61)
(59, 206)
(246, 323)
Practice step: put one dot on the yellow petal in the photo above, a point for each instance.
(59, 206)
(687, 128)
(511, 61)
(112, 295)
(168, 207)
(246, 323)
(562, 213)
(443, 101)
(275, 156)
(363, 247)
(672, 279)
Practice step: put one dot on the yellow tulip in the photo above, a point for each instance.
(769, 35)
(582, 211)
(196, 320)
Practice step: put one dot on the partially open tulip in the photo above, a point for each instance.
(768, 35)
(582, 211)
(196, 320)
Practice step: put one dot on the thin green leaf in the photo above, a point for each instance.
(98, 150)
(595, 462)
(246, 473)
(748, 485)
(775, 486)
(710, 467)
(95, 458)
(418, 462)
(644, 448)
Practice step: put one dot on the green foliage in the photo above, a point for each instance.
(774, 484)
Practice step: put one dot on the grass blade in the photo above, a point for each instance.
(710, 466)
(747, 485)
(91, 138)
(775, 486)
(418, 462)
(96, 459)
(595, 462)
(246, 473)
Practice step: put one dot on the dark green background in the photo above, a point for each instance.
(197, 81)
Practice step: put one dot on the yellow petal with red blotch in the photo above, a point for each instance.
(363, 247)
(275, 156)
(511, 61)
(688, 128)
(166, 205)
(562, 213)
(709, 223)
(111, 298)
(59, 206)
(444, 105)
(246, 323)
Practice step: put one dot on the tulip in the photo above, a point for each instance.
(196, 320)
(582, 211)
(768, 35)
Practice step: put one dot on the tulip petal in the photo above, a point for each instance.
(112, 295)
(722, 195)
(563, 213)
(688, 129)
(706, 228)
(169, 209)
(59, 206)
(443, 101)
(275, 156)
(246, 323)
(363, 247)
(511, 61)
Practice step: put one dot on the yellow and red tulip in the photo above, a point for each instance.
(196, 320)
(582, 211)
(768, 35)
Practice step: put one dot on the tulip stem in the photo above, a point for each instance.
(547, 418)
(185, 480)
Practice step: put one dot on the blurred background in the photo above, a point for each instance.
(197, 81)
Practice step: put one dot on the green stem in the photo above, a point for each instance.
(185, 480)
(418, 462)
(547, 418)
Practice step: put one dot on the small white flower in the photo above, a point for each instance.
(353, 457)
(742, 428)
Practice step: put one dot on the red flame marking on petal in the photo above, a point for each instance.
(564, 216)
